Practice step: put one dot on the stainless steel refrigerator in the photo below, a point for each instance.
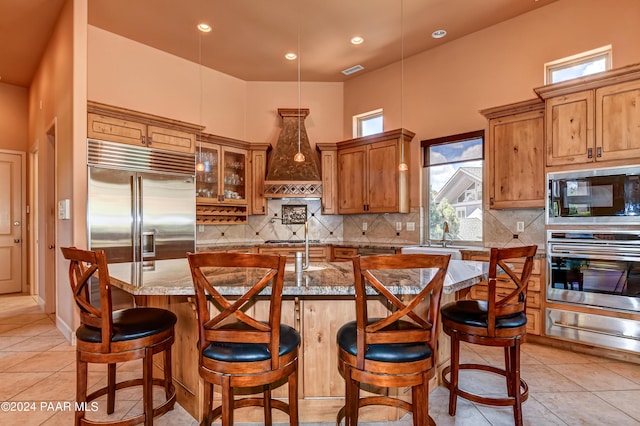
(141, 202)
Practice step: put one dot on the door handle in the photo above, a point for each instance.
(52, 247)
(16, 241)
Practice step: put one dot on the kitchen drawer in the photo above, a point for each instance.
(316, 254)
(343, 253)
(481, 292)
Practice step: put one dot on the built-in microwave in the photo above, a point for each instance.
(605, 195)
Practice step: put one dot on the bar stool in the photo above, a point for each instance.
(108, 337)
(498, 321)
(236, 350)
(398, 350)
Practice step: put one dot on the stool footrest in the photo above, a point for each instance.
(501, 402)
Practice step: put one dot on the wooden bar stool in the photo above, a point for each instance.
(498, 321)
(398, 350)
(245, 352)
(108, 337)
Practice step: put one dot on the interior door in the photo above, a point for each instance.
(11, 223)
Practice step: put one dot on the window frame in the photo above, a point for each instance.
(358, 119)
(425, 145)
(604, 52)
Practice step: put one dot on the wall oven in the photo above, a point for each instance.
(599, 270)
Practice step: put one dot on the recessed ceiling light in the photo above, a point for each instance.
(357, 40)
(291, 56)
(205, 28)
(439, 33)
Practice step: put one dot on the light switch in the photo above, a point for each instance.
(398, 226)
(411, 226)
(64, 209)
(364, 226)
(520, 226)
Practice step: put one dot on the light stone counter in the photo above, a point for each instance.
(173, 278)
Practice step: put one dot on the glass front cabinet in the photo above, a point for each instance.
(221, 184)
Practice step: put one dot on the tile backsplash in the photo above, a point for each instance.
(499, 227)
(381, 228)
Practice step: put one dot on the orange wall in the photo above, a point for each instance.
(131, 75)
(51, 104)
(444, 88)
(14, 109)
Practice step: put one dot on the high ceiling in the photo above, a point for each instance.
(250, 37)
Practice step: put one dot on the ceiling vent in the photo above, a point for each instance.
(354, 69)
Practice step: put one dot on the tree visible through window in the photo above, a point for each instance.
(454, 181)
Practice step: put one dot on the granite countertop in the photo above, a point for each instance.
(173, 277)
(299, 243)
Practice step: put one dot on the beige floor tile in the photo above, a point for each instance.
(45, 362)
(10, 359)
(584, 408)
(36, 416)
(550, 355)
(533, 414)
(626, 401)
(626, 369)
(542, 378)
(35, 344)
(55, 387)
(12, 384)
(594, 377)
(7, 342)
(33, 329)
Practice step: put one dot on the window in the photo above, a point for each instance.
(586, 63)
(453, 178)
(367, 124)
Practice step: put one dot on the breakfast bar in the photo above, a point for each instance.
(317, 302)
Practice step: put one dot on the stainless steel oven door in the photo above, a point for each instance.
(598, 269)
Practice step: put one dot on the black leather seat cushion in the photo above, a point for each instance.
(474, 313)
(130, 324)
(387, 352)
(251, 352)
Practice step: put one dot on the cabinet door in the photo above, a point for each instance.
(516, 155)
(234, 175)
(618, 122)
(207, 185)
(115, 130)
(258, 172)
(328, 160)
(382, 169)
(570, 129)
(352, 180)
(170, 139)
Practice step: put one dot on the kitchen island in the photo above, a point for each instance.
(317, 303)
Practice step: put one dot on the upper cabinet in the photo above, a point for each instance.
(257, 200)
(594, 119)
(329, 170)
(515, 155)
(106, 122)
(370, 179)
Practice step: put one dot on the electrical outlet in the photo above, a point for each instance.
(520, 226)
(364, 226)
(398, 226)
(411, 226)
(200, 228)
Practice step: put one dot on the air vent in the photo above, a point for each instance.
(352, 70)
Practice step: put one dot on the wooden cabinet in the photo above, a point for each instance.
(329, 170)
(594, 119)
(316, 253)
(535, 290)
(369, 178)
(221, 181)
(515, 155)
(121, 125)
(257, 200)
(343, 254)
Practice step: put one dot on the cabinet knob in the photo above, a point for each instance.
(590, 153)
(599, 152)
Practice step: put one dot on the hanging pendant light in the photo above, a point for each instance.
(200, 167)
(299, 157)
(403, 166)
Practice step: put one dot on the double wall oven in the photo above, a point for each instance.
(593, 257)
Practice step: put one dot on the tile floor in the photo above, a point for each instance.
(37, 365)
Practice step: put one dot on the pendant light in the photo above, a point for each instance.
(299, 157)
(403, 166)
(200, 167)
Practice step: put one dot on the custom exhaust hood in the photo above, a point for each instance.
(287, 178)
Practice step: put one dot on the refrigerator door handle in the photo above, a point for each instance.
(148, 244)
(136, 193)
